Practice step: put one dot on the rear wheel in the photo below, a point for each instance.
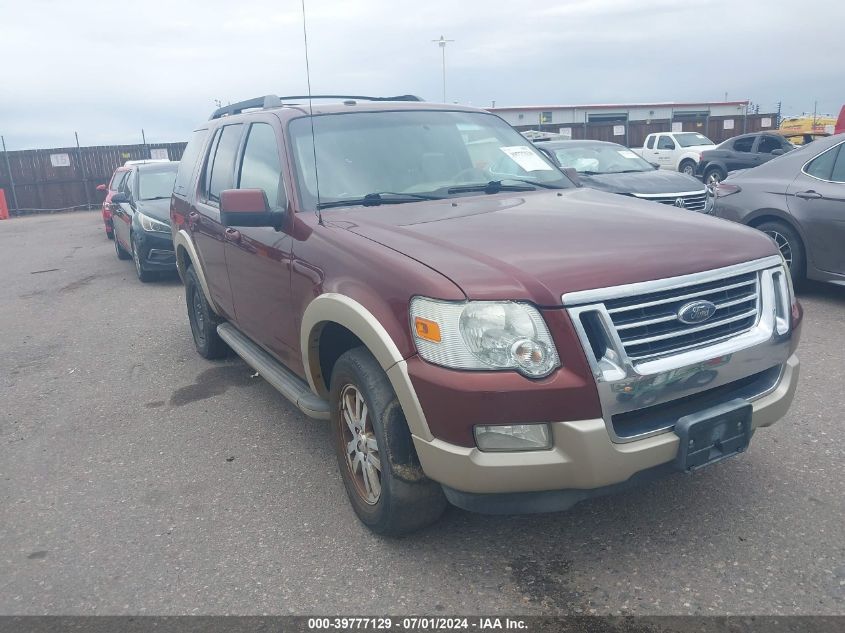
(790, 246)
(383, 479)
(714, 176)
(203, 320)
(687, 167)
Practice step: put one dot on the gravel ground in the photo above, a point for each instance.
(138, 478)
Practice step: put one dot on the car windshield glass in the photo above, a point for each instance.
(600, 159)
(691, 139)
(431, 153)
(156, 184)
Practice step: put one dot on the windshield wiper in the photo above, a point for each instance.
(157, 198)
(494, 186)
(544, 185)
(376, 199)
(627, 171)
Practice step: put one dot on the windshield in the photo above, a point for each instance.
(600, 159)
(414, 154)
(691, 139)
(156, 184)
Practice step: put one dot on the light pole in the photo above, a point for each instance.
(442, 43)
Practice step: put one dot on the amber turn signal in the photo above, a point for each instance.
(427, 330)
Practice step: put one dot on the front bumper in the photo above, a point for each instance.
(583, 462)
(156, 250)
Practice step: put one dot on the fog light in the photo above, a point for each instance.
(514, 437)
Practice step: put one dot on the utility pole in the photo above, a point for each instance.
(85, 182)
(442, 43)
(9, 170)
(144, 140)
(780, 105)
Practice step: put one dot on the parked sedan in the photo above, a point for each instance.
(141, 218)
(617, 169)
(799, 200)
(111, 189)
(740, 152)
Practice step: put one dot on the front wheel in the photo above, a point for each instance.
(384, 481)
(138, 258)
(714, 176)
(790, 246)
(687, 167)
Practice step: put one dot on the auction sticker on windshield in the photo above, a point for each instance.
(626, 153)
(526, 158)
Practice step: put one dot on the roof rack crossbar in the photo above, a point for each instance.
(273, 101)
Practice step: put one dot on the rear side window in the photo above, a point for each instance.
(188, 162)
(649, 143)
(222, 173)
(839, 167)
(743, 144)
(261, 167)
(822, 165)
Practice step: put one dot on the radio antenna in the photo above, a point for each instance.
(311, 115)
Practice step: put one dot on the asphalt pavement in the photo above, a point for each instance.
(138, 478)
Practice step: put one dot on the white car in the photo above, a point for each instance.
(678, 151)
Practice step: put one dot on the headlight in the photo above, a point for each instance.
(483, 335)
(150, 224)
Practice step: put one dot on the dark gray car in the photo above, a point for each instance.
(798, 199)
(616, 169)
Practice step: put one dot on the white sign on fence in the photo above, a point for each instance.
(565, 132)
(159, 153)
(728, 124)
(677, 126)
(766, 122)
(618, 130)
(60, 160)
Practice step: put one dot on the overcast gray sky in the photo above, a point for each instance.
(108, 69)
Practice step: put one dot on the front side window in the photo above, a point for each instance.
(768, 144)
(822, 165)
(222, 172)
(665, 142)
(692, 139)
(415, 154)
(261, 167)
(650, 142)
(156, 184)
(744, 144)
(838, 174)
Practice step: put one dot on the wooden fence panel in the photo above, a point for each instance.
(66, 178)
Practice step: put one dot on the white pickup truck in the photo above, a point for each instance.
(678, 151)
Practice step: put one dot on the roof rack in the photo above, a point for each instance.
(274, 101)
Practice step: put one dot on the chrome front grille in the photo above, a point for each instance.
(695, 201)
(648, 325)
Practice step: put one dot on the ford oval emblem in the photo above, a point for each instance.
(696, 312)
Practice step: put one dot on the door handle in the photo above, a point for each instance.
(809, 195)
(233, 235)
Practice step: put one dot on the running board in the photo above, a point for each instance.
(290, 385)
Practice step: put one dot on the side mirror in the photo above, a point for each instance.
(572, 175)
(120, 198)
(102, 188)
(655, 165)
(248, 207)
(777, 152)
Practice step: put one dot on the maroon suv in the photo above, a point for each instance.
(476, 328)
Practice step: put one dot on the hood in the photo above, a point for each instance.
(537, 246)
(158, 209)
(659, 181)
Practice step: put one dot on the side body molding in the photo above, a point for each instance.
(182, 239)
(337, 308)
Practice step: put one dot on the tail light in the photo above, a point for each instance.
(724, 189)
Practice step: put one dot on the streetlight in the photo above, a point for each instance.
(442, 43)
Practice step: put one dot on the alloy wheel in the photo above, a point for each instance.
(783, 245)
(714, 178)
(136, 257)
(362, 453)
(199, 316)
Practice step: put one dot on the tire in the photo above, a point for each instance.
(395, 497)
(138, 259)
(109, 232)
(714, 176)
(790, 245)
(202, 319)
(119, 250)
(687, 167)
